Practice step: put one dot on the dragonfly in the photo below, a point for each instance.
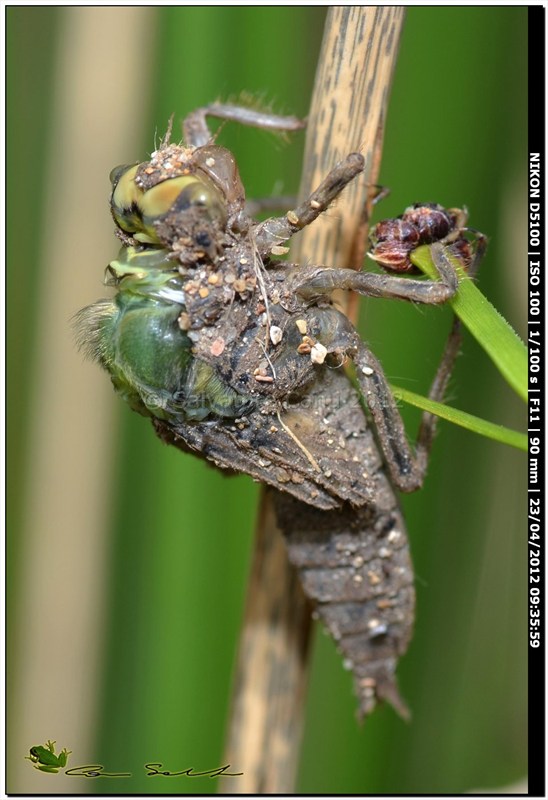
(240, 357)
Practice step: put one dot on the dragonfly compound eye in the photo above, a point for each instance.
(125, 199)
(179, 195)
(136, 211)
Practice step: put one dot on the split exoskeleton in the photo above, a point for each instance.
(236, 355)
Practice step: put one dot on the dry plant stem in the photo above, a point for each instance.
(347, 114)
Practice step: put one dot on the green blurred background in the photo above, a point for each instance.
(127, 561)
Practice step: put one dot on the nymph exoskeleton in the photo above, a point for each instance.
(235, 355)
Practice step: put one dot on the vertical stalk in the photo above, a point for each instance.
(347, 114)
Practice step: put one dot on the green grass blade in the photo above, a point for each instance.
(485, 323)
(497, 432)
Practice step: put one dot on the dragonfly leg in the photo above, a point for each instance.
(407, 468)
(277, 230)
(316, 282)
(197, 133)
